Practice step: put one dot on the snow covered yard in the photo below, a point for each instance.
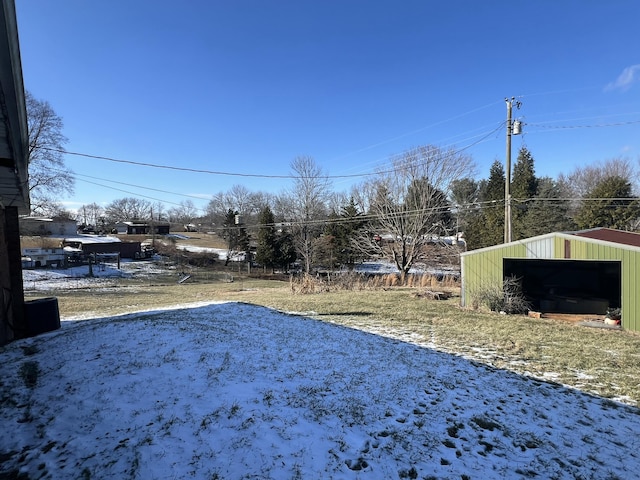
(233, 391)
(79, 277)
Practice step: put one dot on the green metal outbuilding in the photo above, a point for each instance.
(585, 272)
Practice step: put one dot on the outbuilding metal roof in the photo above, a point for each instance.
(611, 235)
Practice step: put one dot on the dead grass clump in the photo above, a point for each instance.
(350, 281)
(374, 282)
(432, 295)
(391, 280)
(39, 242)
(306, 284)
(452, 281)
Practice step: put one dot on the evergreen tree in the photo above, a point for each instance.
(419, 190)
(548, 212)
(266, 252)
(609, 204)
(524, 186)
(348, 231)
(235, 235)
(487, 228)
(286, 250)
(464, 197)
(340, 233)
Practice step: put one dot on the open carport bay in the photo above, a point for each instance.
(568, 286)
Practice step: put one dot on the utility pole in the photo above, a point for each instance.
(513, 128)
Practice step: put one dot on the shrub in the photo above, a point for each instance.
(507, 297)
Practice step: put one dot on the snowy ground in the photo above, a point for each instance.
(232, 391)
(78, 277)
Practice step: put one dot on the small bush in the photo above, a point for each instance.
(507, 297)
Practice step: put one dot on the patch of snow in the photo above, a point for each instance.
(232, 390)
(78, 277)
(90, 239)
(583, 376)
(220, 252)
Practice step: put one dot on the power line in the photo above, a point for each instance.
(130, 193)
(253, 175)
(440, 122)
(75, 174)
(557, 127)
(168, 167)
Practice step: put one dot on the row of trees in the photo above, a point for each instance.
(394, 215)
(132, 208)
(425, 193)
(593, 196)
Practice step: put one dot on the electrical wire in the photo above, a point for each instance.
(602, 125)
(214, 172)
(75, 174)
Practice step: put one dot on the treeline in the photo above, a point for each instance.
(591, 196)
(424, 195)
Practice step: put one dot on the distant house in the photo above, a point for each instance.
(142, 228)
(98, 244)
(40, 226)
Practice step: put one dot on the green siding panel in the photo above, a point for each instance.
(630, 261)
(486, 269)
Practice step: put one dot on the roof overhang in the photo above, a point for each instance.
(14, 138)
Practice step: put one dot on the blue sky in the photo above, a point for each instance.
(246, 86)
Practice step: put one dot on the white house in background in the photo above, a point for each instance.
(39, 226)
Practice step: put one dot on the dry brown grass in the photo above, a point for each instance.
(39, 242)
(602, 362)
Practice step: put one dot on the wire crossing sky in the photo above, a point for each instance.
(242, 88)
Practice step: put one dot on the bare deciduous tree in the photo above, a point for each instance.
(408, 204)
(90, 214)
(583, 178)
(184, 213)
(237, 198)
(48, 176)
(125, 209)
(307, 204)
